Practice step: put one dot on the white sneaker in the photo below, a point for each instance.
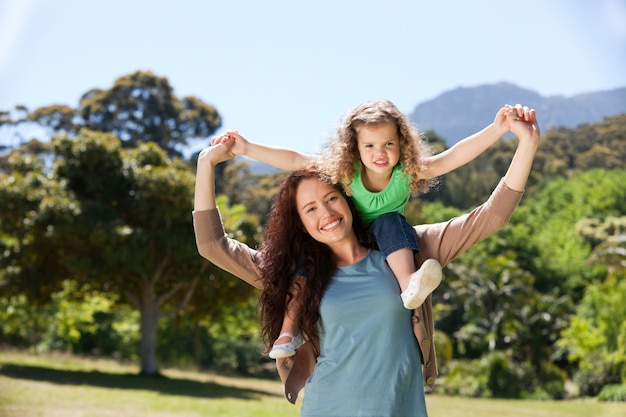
(285, 350)
(423, 282)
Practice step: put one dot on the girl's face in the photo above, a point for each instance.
(324, 212)
(379, 147)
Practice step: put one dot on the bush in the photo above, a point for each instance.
(444, 350)
(613, 392)
(549, 383)
(591, 381)
(467, 379)
(507, 379)
(497, 375)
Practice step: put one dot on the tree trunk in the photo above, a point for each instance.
(149, 323)
(197, 347)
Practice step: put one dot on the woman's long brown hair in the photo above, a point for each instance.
(285, 242)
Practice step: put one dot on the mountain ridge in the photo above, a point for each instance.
(480, 104)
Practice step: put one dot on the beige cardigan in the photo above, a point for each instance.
(442, 241)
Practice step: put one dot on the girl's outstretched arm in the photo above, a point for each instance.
(469, 148)
(278, 157)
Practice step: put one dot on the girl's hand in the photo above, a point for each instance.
(240, 144)
(219, 151)
(523, 123)
(501, 121)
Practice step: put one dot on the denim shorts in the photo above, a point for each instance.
(393, 232)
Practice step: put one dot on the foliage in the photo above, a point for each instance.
(551, 217)
(496, 297)
(596, 336)
(115, 220)
(227, 341)
(34, 206)
(466, 378)
(497, 374)
(140, 107)
(90, 323)
(21, 323)
(613, 392)
(254, 191)
(444, 347)
(82, 322)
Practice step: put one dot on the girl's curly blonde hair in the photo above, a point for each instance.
(341, 153)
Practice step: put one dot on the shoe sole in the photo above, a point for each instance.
(280, 354)
(427, 281)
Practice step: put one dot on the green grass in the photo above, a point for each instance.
(66, 386)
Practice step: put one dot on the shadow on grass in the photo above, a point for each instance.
(160, 384)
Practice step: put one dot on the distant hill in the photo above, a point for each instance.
(458, 113)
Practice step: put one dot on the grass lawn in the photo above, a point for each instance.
(66, 386)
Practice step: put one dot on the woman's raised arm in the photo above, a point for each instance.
(526, 129)
(211, 239)
(204, 197)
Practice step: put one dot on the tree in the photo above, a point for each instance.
(118, 220)
(596, 335)
(33, 206)
(547, 224)
(139, 108)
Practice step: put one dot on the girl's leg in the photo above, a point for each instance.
(290, 337)
(396, 240)
(416, 286)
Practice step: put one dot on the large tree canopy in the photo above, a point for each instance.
(118, 220)
(139, 108)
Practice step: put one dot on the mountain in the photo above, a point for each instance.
(458, 113)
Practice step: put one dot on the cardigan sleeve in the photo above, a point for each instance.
(226, 253)
(447, 240)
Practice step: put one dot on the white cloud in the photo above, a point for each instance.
(14, 16)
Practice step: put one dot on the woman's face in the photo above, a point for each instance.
(324, 212)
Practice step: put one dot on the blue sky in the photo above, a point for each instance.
(284, 72)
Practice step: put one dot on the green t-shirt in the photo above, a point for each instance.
(372, 204)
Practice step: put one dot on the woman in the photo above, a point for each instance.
(358, 364)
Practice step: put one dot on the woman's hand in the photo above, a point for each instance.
(239, 144)
(526, 128)
(204, 196)
(219, 151)
(525, 125)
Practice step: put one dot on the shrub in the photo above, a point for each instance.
(613, 392)
(497, 375)
(591, 381)
(467, 379)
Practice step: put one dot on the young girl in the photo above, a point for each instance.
(381, 159)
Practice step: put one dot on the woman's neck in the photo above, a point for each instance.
(348, 254)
